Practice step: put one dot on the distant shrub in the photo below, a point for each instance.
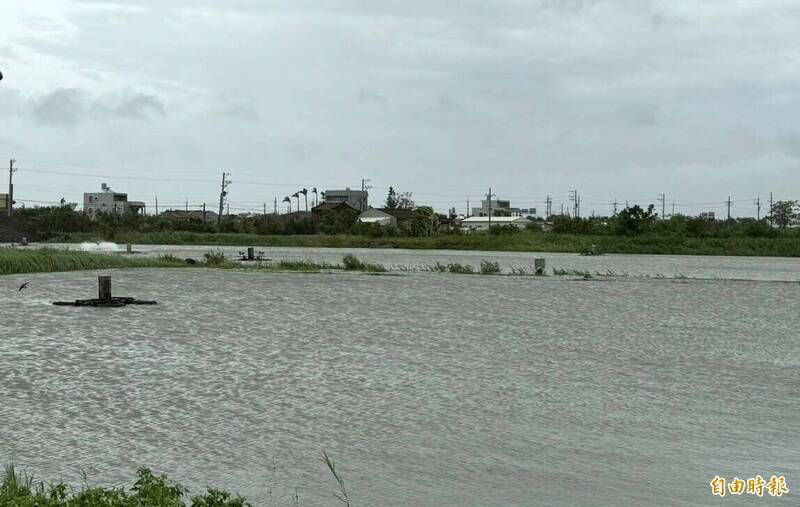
(353, 263)
(215, 258)
(490, 268)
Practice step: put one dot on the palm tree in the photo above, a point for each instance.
(305, 196)
(314, 191)
(286, 199)
(425, 222)
(297, 195)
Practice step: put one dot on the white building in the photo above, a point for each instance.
(376, 216)
(355, 198)
(482, 223)
(108, 201)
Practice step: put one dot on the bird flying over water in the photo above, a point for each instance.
(23, 286)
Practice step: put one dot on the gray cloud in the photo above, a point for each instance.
(61, 107)
(66, 107)
(611, 97)
(129, 105)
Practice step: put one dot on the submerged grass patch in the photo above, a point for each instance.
(45, 260)
(353, 263)
(48, 260)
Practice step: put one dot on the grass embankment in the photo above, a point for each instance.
(46, 260)
(524, 241)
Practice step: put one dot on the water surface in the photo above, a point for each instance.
(428, 389)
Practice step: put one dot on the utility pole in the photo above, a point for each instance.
(729, 207)
(489, 199)
(663, 199)
(222, 193)
(276, 206)
(615, 204)
(466, 214)
(156, 196)
(11, 172)
(364, 188)
(673, 209)
(758, 207)
(187, 204)
(576, 202)
(204, 212)
(228, 209)
(770, 208)
(548, 206)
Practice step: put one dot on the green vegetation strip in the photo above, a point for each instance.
(20, 490)
(46, 260)
(523, 241)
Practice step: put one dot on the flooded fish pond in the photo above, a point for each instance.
(427, 389)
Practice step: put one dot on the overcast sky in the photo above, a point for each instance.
(617, 99)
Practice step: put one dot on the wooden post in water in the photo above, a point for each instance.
(251, 253)
(538, 266)
(104, 287)
(128, 248)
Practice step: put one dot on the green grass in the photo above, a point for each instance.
(22, 490)
(460, 269)
(45, 260)
(525, 241)
(352, 263)
(306, 266)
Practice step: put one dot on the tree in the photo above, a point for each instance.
(404, 201)
(391, 199)
(785, 212)
(424, 222)
(634, 221)
(399, 201)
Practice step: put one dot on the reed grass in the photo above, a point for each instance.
(305, 265)
(460, 269)
(352, 263)
(343, 496)
(45, 260)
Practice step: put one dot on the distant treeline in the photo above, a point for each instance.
(53, 223)
(64, 223)
(676, 226)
